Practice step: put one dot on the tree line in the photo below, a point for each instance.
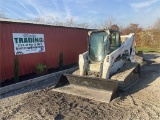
(148, 37)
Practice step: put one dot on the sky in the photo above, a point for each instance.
(122, 12)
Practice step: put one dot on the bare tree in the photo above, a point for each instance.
(114, 27)
(83, 25)
(98, 26)
(58, 22)
(105, 24)
(49, 20)
(157, 24)
(109, 22)
(70, 22)
(2, 14)
(121, 28)
(39, 20)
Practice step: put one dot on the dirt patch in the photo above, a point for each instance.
(142, 101)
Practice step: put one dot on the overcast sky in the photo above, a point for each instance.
(143, 12)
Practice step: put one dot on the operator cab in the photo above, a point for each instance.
(101, 43)
(98, 46)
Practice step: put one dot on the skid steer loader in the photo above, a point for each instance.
(107, 67)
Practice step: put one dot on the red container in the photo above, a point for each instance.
(72, 41)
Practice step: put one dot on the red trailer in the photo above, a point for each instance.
(72, 41)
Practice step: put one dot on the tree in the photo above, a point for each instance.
(151, 37)
(49, 20)
(105, 24)
(2, 14)
(70, 22)
(157, 24)
(39, 20)
(57, 22)
(156, 33)
(109, 22)
(133, 28)
(114, 27)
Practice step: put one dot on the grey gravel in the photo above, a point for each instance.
(39, 85)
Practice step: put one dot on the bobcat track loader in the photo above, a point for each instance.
(107, 67)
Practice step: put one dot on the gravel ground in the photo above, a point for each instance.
(142, 101)
(33, 87)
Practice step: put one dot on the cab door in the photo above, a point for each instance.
(115, 41)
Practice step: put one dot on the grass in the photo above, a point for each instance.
(146, 49)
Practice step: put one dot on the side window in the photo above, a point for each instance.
(118, 39)
(115, 38)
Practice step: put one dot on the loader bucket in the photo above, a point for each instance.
(87, 87)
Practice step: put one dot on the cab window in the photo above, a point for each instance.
(115, 41)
